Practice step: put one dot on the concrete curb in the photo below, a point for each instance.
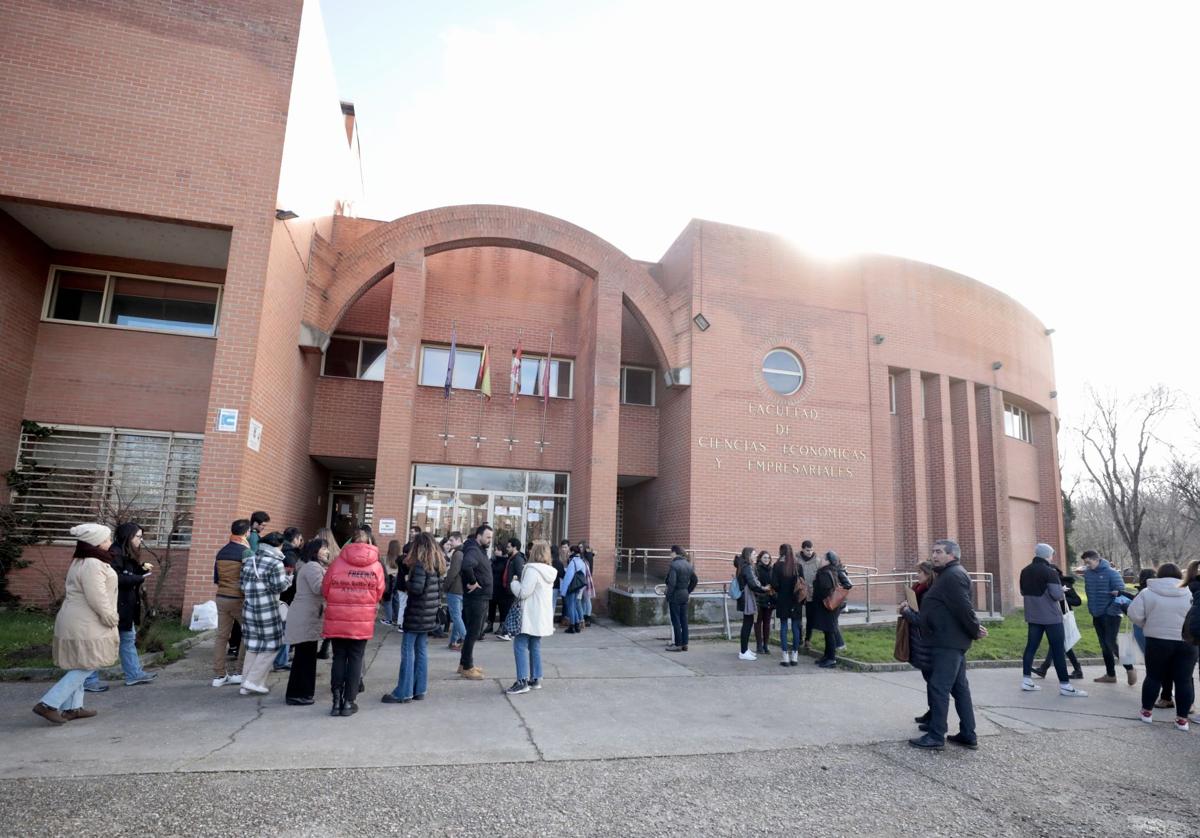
(897, 666)
(53, 673)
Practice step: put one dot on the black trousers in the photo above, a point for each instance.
(302, 681)
(474, 607)
(808, 612)
(948, 679)
(1107, 627)
(505, 600)
(346, 672)
(747, 627)
(1169, 661)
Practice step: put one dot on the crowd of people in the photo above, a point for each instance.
(282, 602)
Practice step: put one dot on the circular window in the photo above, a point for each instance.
(783, 371)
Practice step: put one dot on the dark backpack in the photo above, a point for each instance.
(577, 581)
(1191, 623)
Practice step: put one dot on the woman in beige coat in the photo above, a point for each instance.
(85, 631)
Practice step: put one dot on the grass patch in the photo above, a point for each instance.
(1005, 640)
(27, 638)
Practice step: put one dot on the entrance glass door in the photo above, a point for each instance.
(507, 514)
(345, 514)
(470, 510)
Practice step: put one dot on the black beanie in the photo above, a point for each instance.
(806, 545)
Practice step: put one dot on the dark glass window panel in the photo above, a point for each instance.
(492, 479)
(547, 483)
(78, 297)
(438, 477)
(374, 357)
(150, 304)
(639, 386)
(341, 358)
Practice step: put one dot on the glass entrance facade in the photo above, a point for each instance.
(524, 504)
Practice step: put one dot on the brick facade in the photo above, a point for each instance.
(719, 461)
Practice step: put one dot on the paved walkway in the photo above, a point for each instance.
(619, 717)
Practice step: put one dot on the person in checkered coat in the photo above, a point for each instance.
(263, 580)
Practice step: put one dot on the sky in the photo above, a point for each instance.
(1050, 150)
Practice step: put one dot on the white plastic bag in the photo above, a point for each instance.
(1129, 652)
(204, 616)
(1070, 630)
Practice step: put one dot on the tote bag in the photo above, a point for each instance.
(1070, 630)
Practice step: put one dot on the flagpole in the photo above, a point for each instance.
(485, 365)
(449, 387)
(516, 391)
(546, 394)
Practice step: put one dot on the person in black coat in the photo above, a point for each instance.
(426, 565)
(681, 581)
(789, 605)
(821, 618)
(747, 579)
(765, 601)
(949, 626)
(1070, 601)
(476, 575)
(919, 656)
(131, 577)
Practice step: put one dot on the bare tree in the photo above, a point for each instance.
(1118, 468)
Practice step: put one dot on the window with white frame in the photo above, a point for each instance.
(127, 301)
(637, 386)
(70, 475)
(1016, 423)
(533, 376)
(435, 359)
(892, 394)
(348, 357)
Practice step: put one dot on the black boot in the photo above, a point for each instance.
(1041, 671)
(349, 707)
(339, 701)
(323, 652)
(924, 718)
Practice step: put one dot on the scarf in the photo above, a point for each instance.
(83, 550)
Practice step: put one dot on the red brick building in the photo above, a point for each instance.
(188, 303)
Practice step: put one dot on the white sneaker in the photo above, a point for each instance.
(1029, 687)
(1146, 716)
(795, 656)
(254, 688)
(1181, 724)
(220, 682)
(747, 656)
(1069, 691)
(235, 679)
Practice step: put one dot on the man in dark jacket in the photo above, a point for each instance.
(1041, 587)
(949, 626)
(476, 576)
(510, 568)
(227, 576)
(1103, 584)
(681, 581)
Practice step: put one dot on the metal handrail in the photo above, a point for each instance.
(707, 590)
(628, 558)
(907, 578)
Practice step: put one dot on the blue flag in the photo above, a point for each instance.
(450, 362)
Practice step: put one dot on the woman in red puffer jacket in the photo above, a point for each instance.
(352, 588)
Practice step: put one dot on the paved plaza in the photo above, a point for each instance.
(625, 738)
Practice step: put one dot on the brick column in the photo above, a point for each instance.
(1044, 428)
(594, 474)
(393, 466)
(939, 445)
(993, 493)
(967, 529)
(910, 460)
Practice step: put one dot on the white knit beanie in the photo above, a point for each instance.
(93, 534)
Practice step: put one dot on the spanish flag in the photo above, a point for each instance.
(483, 381)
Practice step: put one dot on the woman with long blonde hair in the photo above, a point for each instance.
(426, 565)
(325, 534)
(534, 595)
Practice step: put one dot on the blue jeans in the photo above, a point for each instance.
(67, 694)
(797, 628)
(1056, 635)
(948, 679)
(281, 657)
(571, 608)
(679, 620)
(585, 609)
(131, 664)
(93, 679)
(458, 629)
(527, 649)
(399, 603)
(414, 665)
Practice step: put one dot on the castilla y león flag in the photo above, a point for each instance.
(483, 381)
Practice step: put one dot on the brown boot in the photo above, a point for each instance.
(473, 674)
(1131, 676)
(80, 713)
(1106, 679)
(49, 713)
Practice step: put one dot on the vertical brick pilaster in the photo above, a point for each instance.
(393, 465)
(939, 446)
(967, 529)
(993, 492)
(909, 453)
(1044, 428)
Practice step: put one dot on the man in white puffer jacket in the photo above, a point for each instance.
(534, 596)
(1161, 610)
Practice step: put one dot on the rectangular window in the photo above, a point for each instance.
(637, 386)
(1016, 423)
(533, 371)
(522, 504)
(347, 357)
(77, 474)
(133, 302)
(435, 359)
(892, 394)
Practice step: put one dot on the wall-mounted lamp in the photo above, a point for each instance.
(1049, 332)
(701, 322)
(285, 215)
(878, 339)
(1054, 394)
(997, 365)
